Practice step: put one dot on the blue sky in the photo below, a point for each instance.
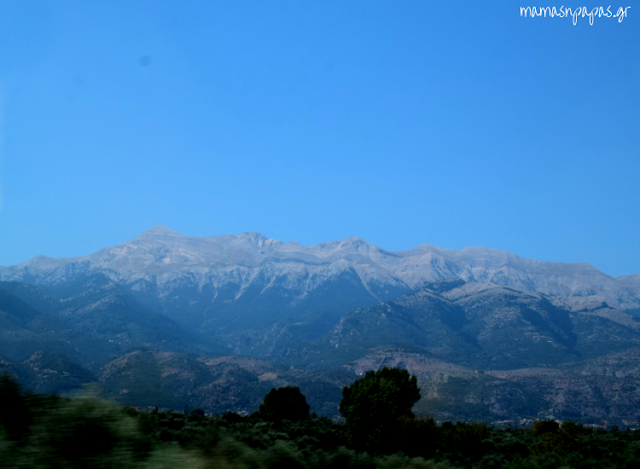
(402, 122)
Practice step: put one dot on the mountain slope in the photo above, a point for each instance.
(260, 296)
(25, 331)
(218, 384)
(484, 326)
(606, 388)
(89, 322)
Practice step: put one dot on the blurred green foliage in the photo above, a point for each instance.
(38, 431)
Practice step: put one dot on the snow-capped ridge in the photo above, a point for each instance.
(168, 256)
(260, 239)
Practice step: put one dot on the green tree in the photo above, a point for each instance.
(540, 427)
(375, 405)
(15, 415)
(286, 403)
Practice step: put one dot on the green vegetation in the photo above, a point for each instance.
(376, 405)
(286, 403)
(38, 431)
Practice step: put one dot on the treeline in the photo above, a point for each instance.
(380, 432)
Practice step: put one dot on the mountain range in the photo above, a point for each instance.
(456, 316)
(254, 294)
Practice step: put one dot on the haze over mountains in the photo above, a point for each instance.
(332, 306)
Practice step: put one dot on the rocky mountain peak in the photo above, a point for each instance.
(356, 243)
(160, 231)
(260, 240)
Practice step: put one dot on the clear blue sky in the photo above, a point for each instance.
(402, 122)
